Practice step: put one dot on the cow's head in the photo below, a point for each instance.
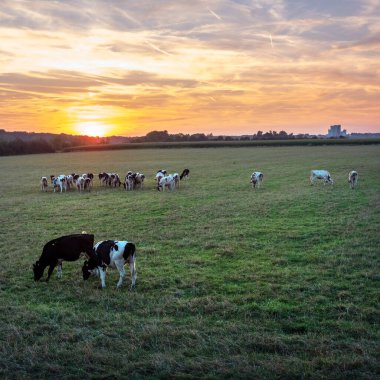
(86, 270)
(38, 270)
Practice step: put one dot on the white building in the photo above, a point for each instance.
(336, 131)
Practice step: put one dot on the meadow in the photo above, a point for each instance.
(280, 282)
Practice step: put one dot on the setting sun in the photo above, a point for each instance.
(92, 128)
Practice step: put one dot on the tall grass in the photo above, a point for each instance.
(280, 282)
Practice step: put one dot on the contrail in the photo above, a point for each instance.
(271, 42)
(214, 14)
(157, 48)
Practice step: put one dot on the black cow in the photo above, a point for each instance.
(67, 248)
(185, 174)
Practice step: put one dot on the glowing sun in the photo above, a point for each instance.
(92, 128)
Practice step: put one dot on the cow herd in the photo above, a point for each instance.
(163, 180)
(112, 253)
(107, 253)
(132, 181)
(353, 176)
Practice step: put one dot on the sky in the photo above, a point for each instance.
(233, 67)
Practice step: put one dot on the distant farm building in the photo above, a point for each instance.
(335, 131)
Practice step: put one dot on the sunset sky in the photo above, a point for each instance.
(214, 66)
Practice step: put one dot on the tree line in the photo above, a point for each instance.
(14, 143)
(164, 136)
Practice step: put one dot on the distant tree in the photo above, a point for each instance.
(157, 136)
(198, 137)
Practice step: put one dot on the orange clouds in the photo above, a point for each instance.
(228, 68)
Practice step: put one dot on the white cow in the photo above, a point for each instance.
(353, 177)
(167, 181)
(321, 174)
(256, 179)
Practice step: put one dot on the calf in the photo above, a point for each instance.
(44, 184)
(103, 178)
(139, 180)
(129, 181)
(256, 179)
(114, 180)
(166, 182)
(185, 174)
(59, 182)
(160, 173)
(67, 248)
(353, 178)
(114, 254)
(80, 183)
(176, 180)
(320, 174)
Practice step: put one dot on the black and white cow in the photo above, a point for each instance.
(114, 254)
(44, 184)
(59, 182)
(68, 248)
(256, 179)
(185, 174)
(353, 177)
(166, 182)
(103, 178)
(324, 175)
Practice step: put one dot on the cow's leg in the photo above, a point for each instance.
(120, 267)
(59, 268)
(132, 266)
(102, 274)
(50, 271)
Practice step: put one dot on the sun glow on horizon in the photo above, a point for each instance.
(93, 128)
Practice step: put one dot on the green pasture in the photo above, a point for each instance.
(280, 282)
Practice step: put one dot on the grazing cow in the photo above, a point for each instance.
(176, 180)
(114, 180)
(320, 174)
(87, 184)
(59, 182)
(129, 181)
(91, 177)
(139, 180)
(70, 181)
(185, 174)
(160, 173)
(80, 183)
(114, 254)
(103, 178)
(44, 184)
(256, 179)
(67, 248)
(353, 177)
(167, 181)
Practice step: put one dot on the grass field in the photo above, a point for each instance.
(281, 282)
